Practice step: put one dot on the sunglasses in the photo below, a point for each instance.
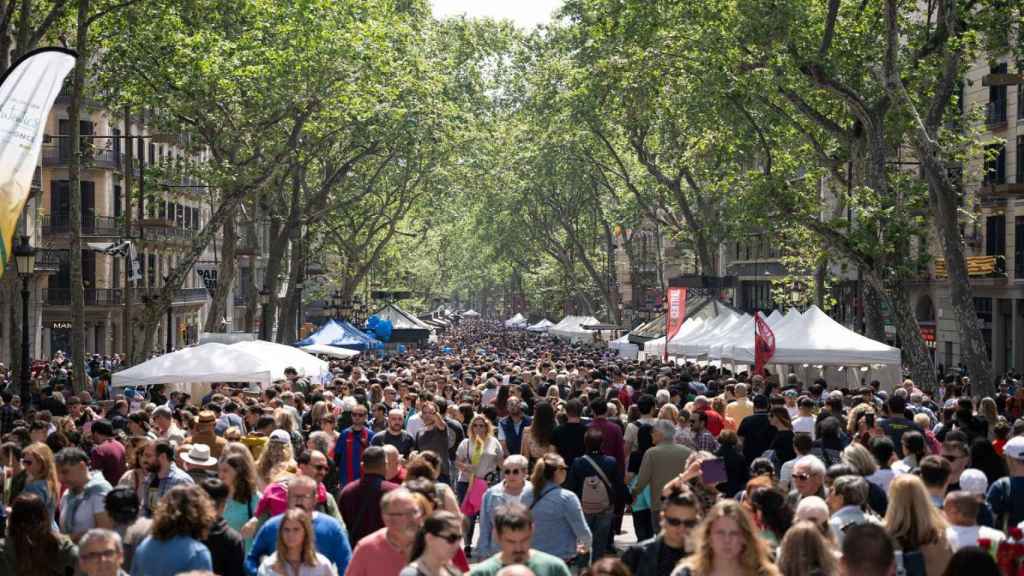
(801, 476)
(359, 414)
(513, 471)
(677, 522)
(450, 538)
(951, 457)
(27, 461)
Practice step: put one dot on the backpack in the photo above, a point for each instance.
(595, 498)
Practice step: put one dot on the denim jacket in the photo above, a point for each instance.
(558, 522)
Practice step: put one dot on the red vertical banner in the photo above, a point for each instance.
(764, 343)
(674, 317)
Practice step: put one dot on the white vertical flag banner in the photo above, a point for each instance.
(27, 92)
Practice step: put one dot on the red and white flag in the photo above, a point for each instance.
(675, 316)
(764, 343)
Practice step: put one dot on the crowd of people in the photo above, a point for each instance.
(500, 452)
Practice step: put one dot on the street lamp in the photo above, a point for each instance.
(264, 295)
(25, 258)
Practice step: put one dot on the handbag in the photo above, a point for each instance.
(474, 497)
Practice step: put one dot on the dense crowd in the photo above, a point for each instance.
(498, 452)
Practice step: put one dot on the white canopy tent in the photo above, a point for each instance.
(332, 351)
(625, 348)
(571, 328)
(741, 351)
(697, 343)
(656, 347)
(517, 321)
(471, 314)
(819, 340)
(541, 326)
(199, 364)
(281, 357)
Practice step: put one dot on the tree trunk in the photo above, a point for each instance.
(272, 275)
(75, 201)
(820, 272)
(219, 305)
(253, 301)
(871, 302)
(288, 331)
(922, 370)
(973, 349)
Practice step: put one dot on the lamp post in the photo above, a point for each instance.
(264, 302)
(25, 257)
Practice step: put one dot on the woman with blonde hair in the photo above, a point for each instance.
(727, 543)
(806, 552)
(477, 458)
(987, 409)
(135, 476)
(41, 475)
(295, 554)
(277, 458)
(917, 526)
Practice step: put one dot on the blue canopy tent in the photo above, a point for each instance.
(356, 339)
(341, 334)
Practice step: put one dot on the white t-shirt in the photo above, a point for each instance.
(85, 513)
(962, 536)
(882, 478)
(414, 425)
(804, 424)
(633, 431)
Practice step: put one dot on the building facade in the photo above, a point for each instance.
(992, 226)
(175, 209)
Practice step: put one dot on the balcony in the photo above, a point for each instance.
(995, 115)
(977, 267)
(60, 155)
(115, 296)
(48, 261)
(60, 224)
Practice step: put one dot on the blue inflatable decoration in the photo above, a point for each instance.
(401, 348)
(381, 329)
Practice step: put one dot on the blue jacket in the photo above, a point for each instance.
(558, 522)
(331, 541)
(494, 496)
(169, 557)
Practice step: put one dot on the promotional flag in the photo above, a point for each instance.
(674, 317)
(122, 250)
(764, 343)
(27, 92)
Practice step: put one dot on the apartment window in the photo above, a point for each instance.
(116, 140)
(996, 111)
(1018, 247)
(1020, 157)
(118, 209)
(995, 164)
(151, 269)
(1020, 102)
(152, 153)
(995, 235)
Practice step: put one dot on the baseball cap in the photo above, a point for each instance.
(1015, 448)
(974, 481)
(280, 436)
